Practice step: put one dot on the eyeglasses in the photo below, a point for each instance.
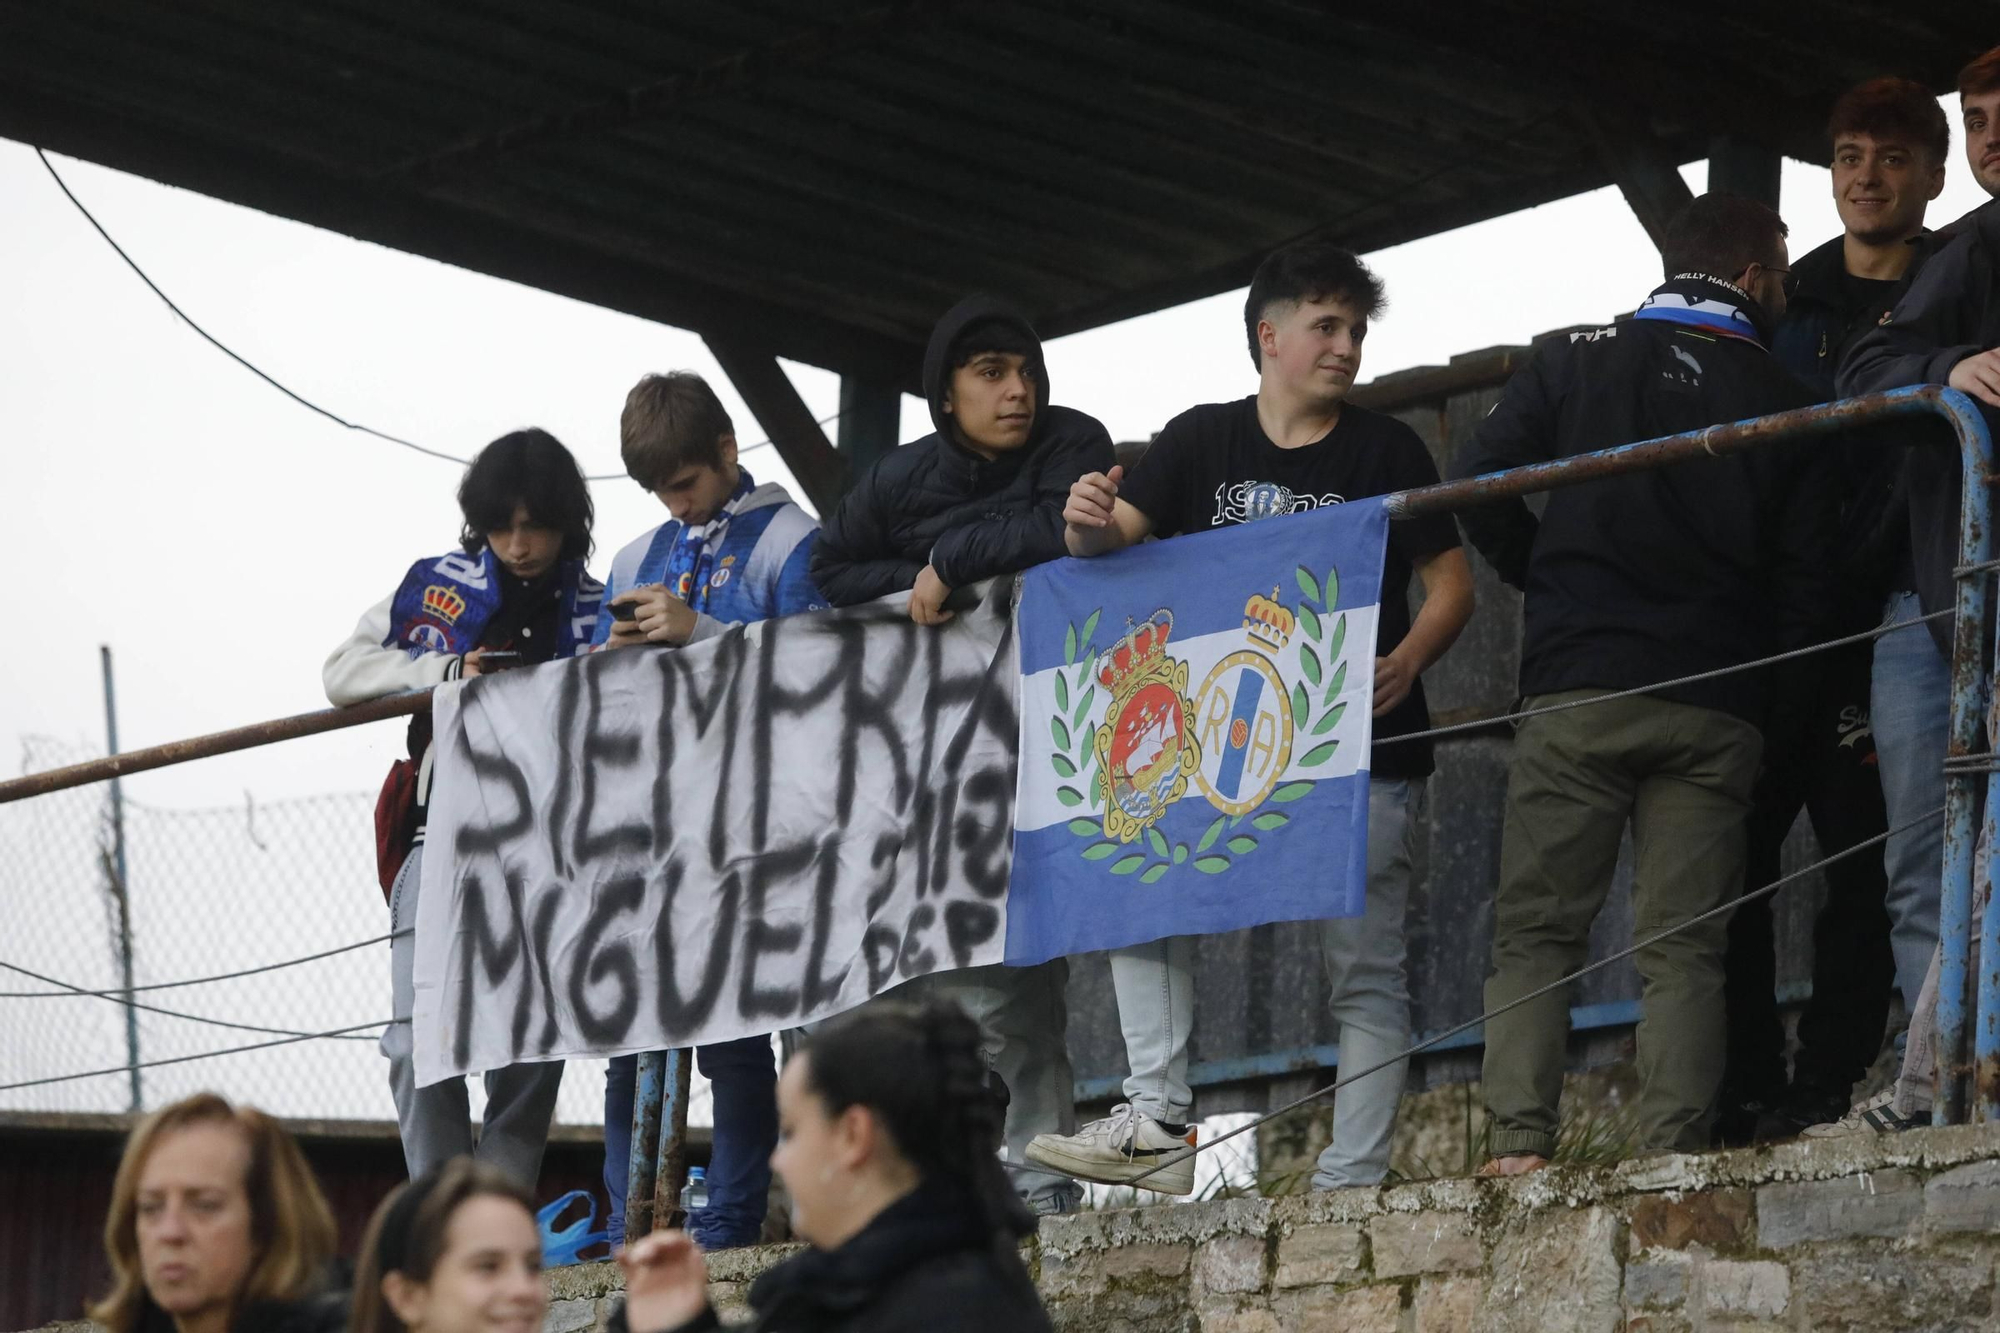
(1784, 275)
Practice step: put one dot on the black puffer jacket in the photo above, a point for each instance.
(922, 1266)
(1949, 311)
(935, 502)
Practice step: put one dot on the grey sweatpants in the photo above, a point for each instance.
(436, 1122)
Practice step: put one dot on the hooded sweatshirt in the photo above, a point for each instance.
(936, 502)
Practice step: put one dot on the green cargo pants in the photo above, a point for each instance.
(1681, 775)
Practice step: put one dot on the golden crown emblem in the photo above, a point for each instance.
(1143, 649)
(1269, 624)
(443, 603)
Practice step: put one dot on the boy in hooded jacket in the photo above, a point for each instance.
(980, 496)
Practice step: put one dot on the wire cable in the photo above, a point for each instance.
(200, 981)
(296, 397)
(185, 1059)
(1450, 1032)
(1509, 719)
(119, 997)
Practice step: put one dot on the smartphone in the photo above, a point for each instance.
(624, 610)
(498, 659)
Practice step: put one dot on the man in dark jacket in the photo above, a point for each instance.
(1890, 142)
(1945, 329)
(1630, 581)
(980, 496)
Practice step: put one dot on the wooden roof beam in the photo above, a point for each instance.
(822, 473)
(1644, 168)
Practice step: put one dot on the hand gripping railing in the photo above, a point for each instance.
(1971, 685)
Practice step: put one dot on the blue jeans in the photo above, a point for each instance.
(744, 1079)
(1911, 712)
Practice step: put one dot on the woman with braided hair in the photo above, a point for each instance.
(888, 1143)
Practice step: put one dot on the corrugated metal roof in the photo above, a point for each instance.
(828, 175)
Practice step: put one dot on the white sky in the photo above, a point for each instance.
(222, 539)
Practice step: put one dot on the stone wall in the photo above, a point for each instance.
(1893, 1233)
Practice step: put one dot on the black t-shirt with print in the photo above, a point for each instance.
(1213, 466)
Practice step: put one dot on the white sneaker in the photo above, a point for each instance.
(1120, 1149)
(1877, 1115)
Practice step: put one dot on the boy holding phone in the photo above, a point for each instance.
(515, 593)
(732, 552)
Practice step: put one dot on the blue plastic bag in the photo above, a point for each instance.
(565, 1246)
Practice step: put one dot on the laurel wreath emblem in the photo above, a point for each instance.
(1315, 712)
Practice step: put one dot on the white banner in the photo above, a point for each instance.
(668, 847)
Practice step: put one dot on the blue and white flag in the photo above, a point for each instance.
(1195, 725)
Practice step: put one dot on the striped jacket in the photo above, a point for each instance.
(759, 572)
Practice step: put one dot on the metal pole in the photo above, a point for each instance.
(676, 1084)
(1922, 401)
(657, 1167)
(120, 883)
(216, 742)
(1970, 689)
(643, 1166)
(1986, 1032)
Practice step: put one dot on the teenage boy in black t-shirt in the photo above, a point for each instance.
(1295, 445)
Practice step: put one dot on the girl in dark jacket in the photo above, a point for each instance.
(217, 1226)
(888, 1139)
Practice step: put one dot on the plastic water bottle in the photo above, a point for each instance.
(694, 1194)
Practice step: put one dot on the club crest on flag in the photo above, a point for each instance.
(1256, 734)
(1207, 768)
(1146, 748)
(1243, 713)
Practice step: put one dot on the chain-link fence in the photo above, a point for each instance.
(211, 891)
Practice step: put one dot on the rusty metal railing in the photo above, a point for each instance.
(1971, 682)
(658, 1151)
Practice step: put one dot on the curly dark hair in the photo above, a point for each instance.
(527, 467)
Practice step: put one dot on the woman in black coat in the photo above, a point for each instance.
(888, 1140)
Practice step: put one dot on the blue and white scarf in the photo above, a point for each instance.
(444, 604)
(692, 561)
(1695, 300)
